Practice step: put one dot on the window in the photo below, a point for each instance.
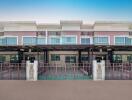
(54, 40)
(117, 58)
(2, 58)
(13, 58)
(70, 59)
(69, 40)
(11, 40)
(101, 40)
(120, 40)
(85, 40)
(2, 41)
(55, 57)
(41, 41)
(84, 58)
(29, 40)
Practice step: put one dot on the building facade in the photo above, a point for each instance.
(67, 42)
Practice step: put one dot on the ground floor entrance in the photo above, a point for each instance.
(71, 62)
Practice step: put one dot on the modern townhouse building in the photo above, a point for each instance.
(67, 42)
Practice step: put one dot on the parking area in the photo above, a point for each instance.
(65, 90)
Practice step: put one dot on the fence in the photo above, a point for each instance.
(12, 71)
(66, 71)
(118, 71)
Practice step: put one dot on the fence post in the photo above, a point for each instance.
(98, 70)
(31, 70)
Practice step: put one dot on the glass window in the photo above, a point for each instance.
(41, 41)
(2, 41)
(84, 58)
(11, 40)
(101, 40)
(2, 58)
(13, 58)
(120, 40)
(129, 58)
(54, 40)
(117, 58)
(70, 59)
(29, 40)
(68, 40)
(55, 57)
(85, 40)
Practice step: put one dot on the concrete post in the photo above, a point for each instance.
(98, 70)
(32, 70)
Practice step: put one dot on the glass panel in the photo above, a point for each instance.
(68, 40)
(29, 40)
(2, 58)
(85, 40)
(13, 58)
(101, 40)
(11, 40)
(54, 40)
(119, 40)
(2, 41)
(70, 59)
(41, 41)
(55, 57)
(117, 58)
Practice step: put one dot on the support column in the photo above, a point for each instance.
(79, 56)
(46, 56)
(32, 70)
(98, 70)
(20, 56)
(110, 55)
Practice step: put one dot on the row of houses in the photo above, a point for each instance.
(67, 42)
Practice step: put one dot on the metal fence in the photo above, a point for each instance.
(66, 71)
(118, 71)
(12, 71)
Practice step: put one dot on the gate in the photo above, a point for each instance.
(66, 71)
(118, 71)
(12, 71)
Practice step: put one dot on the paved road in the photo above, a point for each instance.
(66, 90)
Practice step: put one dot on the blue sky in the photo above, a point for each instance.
(52, 11)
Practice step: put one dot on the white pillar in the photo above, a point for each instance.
(32, 70)
(98, 70)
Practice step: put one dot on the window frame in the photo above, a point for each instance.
(101, 36)
(28, 36)
(69, 36)
(124, 36)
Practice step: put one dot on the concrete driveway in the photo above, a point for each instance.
(66, 90)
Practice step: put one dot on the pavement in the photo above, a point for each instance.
(65, 90)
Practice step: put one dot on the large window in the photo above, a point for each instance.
(101, 40)
(69, 40)
(55, 57)
(29, 40)
(85, 40)
(54, 40)
(120, 40)
(11, 40)
(41, 41)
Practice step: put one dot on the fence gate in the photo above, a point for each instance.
(118, 71)
(66, 71)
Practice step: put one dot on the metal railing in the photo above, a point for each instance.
(118, 71)
(64, 71)
(12, 71)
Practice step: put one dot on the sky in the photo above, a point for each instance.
(52, 11)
